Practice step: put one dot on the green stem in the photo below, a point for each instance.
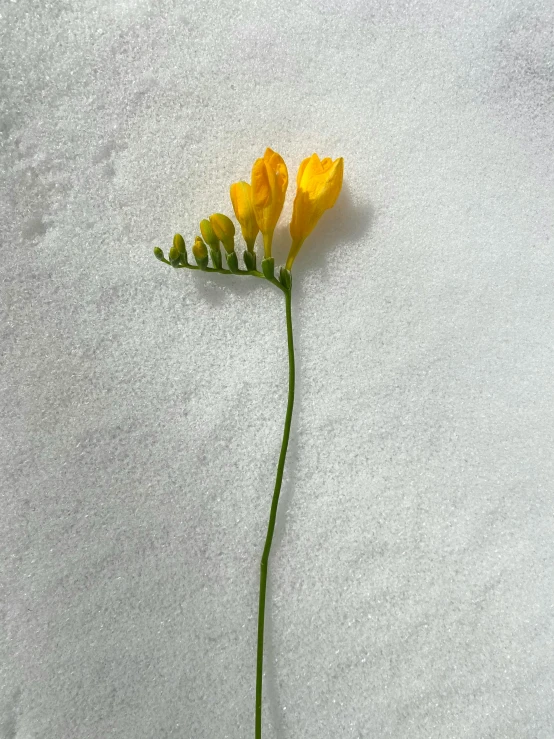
(272, 518)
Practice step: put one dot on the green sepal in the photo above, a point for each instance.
(202, 262)
(268, 268)
(286, 278)
(232, 261)
(249, 260)
(216, 256)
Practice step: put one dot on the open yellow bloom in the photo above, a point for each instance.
(269, 186)
(241, 197)
(319, 183)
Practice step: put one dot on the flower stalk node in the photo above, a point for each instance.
(249, 260)
(285, 278)
(268, 268)
(232, 261)
(215, 253)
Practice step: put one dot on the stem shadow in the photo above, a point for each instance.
(273, 692)
(345, 226)
(271, 683)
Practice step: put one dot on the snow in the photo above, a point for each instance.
(412, 575)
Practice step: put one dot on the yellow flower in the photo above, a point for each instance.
(224, 229)
(241, 197)
(269, 186)
(318, 186)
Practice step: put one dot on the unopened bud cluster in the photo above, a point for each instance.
(217, 230)
(257, 207)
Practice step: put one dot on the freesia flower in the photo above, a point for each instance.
(257, 208)
(269, 186)
(241, 197)
(319, 183)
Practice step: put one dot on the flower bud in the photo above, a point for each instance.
(200, 253)
(208, 233)
(174, 256)
(179, 245)
(241, 197)
(224, 229)
(158, 253)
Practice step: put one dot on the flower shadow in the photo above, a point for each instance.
(215, 289)
(340, 227)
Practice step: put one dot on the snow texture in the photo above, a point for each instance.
(412, 580)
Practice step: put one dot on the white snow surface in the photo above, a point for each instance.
(411, 588)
